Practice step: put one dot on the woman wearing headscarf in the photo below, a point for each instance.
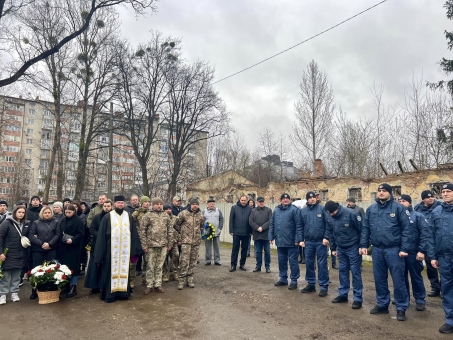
(58, 210)
(44, 237)
(11, 232)
(69, 250)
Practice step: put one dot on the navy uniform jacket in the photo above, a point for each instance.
(441, 241)
(314, 222)
(387, 225)
(285, 226)
(344, 229)
(426, 211)
(420, 237)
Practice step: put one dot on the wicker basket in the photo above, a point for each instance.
(48, 297)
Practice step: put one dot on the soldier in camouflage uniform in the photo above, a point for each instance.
(137, 215)
(189, 225)
(156, 237)
(172, 259)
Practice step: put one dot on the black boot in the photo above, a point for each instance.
(72, 291)
(34, 294)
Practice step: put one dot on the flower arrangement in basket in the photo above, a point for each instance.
(208, 231)
(50, 276)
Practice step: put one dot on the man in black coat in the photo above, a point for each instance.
(34, 209)
(176, 206)
(240, 230)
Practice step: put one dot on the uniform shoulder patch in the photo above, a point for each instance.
(319, 215)
(392, 215)
(359, 218)
(408, 213)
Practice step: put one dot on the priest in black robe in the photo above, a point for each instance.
(117, 245)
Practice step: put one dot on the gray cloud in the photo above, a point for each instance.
(384, 46)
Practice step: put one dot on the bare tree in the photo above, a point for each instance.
(314, 113)
(18, 13)
(143, 93)
(195, 113)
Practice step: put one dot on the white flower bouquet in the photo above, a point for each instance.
(49, 276)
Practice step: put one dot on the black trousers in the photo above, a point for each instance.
(243, 243)
(40, 256)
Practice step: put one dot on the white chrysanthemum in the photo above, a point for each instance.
(65, 270)
(35, 270)
(58, 276)
(39, 274)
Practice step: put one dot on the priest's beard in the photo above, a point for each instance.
(119, 211)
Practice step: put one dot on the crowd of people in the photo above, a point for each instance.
(160, 242)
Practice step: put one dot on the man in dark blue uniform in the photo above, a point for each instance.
(388, 225)
(440, 251)
(344, 228)
(426, 208)
(414, 260)
(313, 218)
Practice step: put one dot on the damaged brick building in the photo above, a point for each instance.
(229, 186)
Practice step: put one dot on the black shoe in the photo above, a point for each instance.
(72, 291)
(248, 254)
(138, 273)
(292, 286)
(34, 294)
(207, 264)
(217, 263)
(241, 267)
(334, 266)
(322, 293)
(340, 299)
(257, 269)
(21, 282)
(434, 293)
(446, 328)
(420, 307)
(356, 305)
(280, 283)
(308, 289)
(303, 261)
(233, 269)
(400, 315)
(94, 291)
(379, 310)
(65, 289)
(198, 261)
(268, 270)
(393, 302)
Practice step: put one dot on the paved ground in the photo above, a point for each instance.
(223, 305)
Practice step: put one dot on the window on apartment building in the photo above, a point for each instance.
(47, 113)
(6, 180)
(8, 169)
(43, 164)
(28, 151)
(31, 112)
(28, 161)
(12, 128)
(11, 148)
(356, 193)
(5, 190)
(30, 121)
(29, 141)
(9, 158)
(29, 131)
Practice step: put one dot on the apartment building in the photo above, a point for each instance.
(27, 131)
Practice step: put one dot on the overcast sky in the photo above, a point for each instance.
(386, 45)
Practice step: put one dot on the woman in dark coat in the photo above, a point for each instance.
(16, 258)
(69, 250)
(83, 253)
(44, 237)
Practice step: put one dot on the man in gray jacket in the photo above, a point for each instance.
(259, 221)
(213, 215)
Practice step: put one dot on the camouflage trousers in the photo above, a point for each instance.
(155, 258)
(132, 270)
(188, 259)
(171, 263)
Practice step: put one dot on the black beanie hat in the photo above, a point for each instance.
(407, 198)
(35, 196)
(427, 194)
(284, 196)
(166, 206)
(310, 194)
(387, 187)
(331, 206)
(448, 186)
(4, 202)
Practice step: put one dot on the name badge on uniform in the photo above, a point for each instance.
(346, 225)
(319, 215)
(392, 215)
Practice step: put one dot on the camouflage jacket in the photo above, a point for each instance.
(175, 235)
(138, 214)
(189, 225)
(155, 230)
